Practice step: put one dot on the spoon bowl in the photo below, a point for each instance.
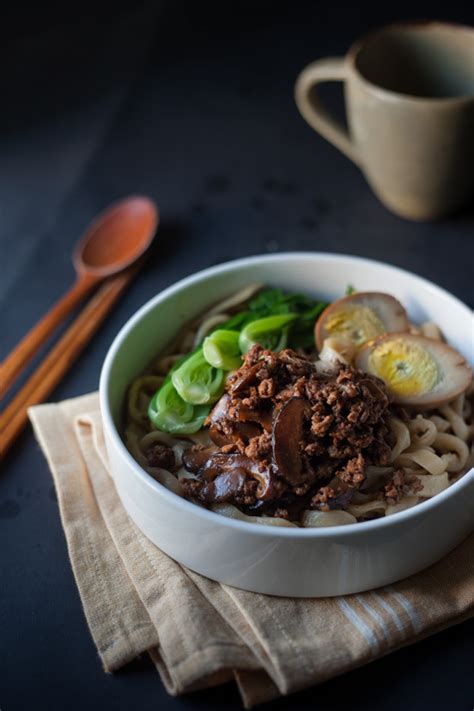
(117, 237)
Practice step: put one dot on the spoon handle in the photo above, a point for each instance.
(62, 356)
(29, 345)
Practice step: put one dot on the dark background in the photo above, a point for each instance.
(191, 103)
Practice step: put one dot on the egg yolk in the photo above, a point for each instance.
(406, 367)
(357, 323)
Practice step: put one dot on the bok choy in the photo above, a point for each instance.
(198, 382)
(170, 413)
(221, 349)
(270, 332)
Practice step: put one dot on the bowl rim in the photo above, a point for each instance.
(212, 517)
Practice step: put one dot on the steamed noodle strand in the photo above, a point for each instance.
(401, 434)
(139, 396)
(406, 503)
(233, 512)
(207, 325)
(237, 299)
(422, 432)
(424, 457)
(433, 449)
(441, 424)
(453, 415)
(454, 451)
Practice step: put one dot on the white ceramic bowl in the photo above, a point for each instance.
(294, 562)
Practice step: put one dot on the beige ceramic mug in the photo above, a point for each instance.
(409, 93)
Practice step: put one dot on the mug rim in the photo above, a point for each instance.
(389, 94)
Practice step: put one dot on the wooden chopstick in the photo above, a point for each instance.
(61, 357)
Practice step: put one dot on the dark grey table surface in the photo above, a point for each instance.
(191, 104)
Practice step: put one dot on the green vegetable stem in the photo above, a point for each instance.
(269, 332)
(221, 349)
(170, 413)
(198, 382)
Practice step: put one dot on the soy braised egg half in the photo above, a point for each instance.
(418, 372)
(360, 318)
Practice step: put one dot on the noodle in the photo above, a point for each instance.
(422, 431)
(233, 512)
(425, 458)
(139, 396)
(206, 326)
(237, 299)
(432, 484)
(454, 416)
(455, 451)
(433, 449)
(402, 437)
(320, 519)
(367, 509)
(163, 365)
(442, 425)
(406, 503)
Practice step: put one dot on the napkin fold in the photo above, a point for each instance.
(200, 633)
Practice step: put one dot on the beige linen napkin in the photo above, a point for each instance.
(200, 633)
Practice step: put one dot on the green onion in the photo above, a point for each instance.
(221, 349)
(170, 413)
(197, 382)
(269, 332)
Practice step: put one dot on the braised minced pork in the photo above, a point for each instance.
(289, 436)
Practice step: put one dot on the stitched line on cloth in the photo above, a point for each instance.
(210, 646)
(112, 644)
(94, 421)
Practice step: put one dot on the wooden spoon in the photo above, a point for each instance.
(116, 239)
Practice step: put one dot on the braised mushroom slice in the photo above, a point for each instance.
(195, 458)
(225, 486)
(376, 478)
(286, 436)
(246, 378)
(220, 438)
(360, 318)
(234, 432)
(219, 411)
(418, 372)
(335, 495)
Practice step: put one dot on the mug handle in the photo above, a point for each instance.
(312, 109)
